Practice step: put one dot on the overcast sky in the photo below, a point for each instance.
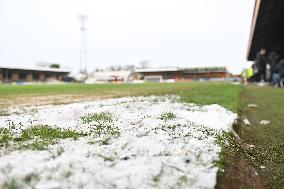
(184, 33)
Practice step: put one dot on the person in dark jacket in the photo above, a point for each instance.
(278, 74)
(255, 73)
(261, 61)
(281, 72)
(273, 60)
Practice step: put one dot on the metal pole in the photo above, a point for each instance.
(83, 48)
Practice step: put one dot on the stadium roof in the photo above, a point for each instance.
(157, 70)
(43, 69)
(267, 29)
(191, 70)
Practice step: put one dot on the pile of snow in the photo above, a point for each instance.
(150, 152)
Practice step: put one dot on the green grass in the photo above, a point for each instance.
(167, 116)
(13, 184)
(201, 93)
(5, 136)
(101, 124)
(98, 117)
(261, 148)
(40, 137)
(36, 138)
(269, 139)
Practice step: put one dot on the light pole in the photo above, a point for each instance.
(83, 47)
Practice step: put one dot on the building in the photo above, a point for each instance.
(34, 74)
(267, 29)
(109, 76)
(181, 74)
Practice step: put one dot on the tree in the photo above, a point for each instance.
(54, 65)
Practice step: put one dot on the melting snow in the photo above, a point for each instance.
(149, 153)
(246, 121)
(264, 122)
(252, 106)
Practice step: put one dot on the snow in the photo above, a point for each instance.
(246, 121)
(149, 153)
(252, 106)
(264, 122)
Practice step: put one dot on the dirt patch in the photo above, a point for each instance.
(27, 101)
(239, 172)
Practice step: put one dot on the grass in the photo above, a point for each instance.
(40, 137)
(167, 116)
(268, 140)
(98, 117)
(261, 148)
(101, 124)
(12, 184)
(201, 93)
(5, 136)
(36, 138)
(4, 113)
(268, 150)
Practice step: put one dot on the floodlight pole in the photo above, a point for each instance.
(83, 48)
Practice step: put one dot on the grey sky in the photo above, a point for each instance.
(185, 33)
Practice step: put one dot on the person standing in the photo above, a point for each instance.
(261, 61)
(273, 60)
(255, 72)
(281, 72)
(278, 74)
(250, 74)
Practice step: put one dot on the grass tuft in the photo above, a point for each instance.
(167, 116)
(101, 124)
(42, 136)
(4, 113)
(5, 136)
(47, 133)
(37, 137)
(97, 117)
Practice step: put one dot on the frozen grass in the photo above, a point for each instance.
(36, 137)
(5, 136)
(98, 117)
(101, 123)
(167, 116)
(138, 142)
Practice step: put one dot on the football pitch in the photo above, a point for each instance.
(59, 120)
(200, 93)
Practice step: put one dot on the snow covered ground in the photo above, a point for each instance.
(159, 142)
